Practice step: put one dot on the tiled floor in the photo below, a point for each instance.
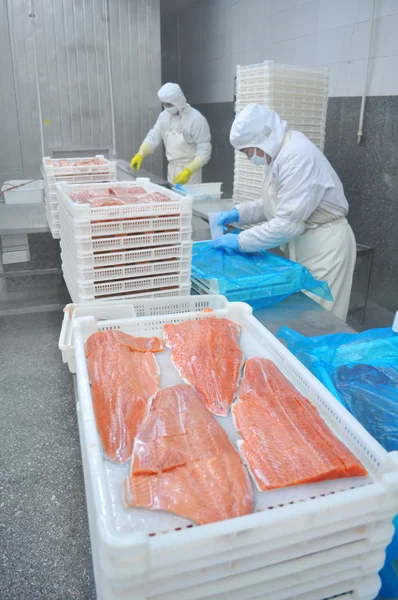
(43, 523)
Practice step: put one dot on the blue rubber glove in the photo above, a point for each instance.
(228, 242)
(228, 216)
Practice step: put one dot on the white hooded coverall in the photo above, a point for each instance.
(186, 136)
(302, 201)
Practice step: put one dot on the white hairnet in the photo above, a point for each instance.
(172, 93)
(260, 127)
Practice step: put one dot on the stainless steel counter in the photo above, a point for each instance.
(301, 313)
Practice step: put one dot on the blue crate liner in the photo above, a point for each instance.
(259, 278)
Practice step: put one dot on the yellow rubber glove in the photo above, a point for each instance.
(136, 162)
(183, 177)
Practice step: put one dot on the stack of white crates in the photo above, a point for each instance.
(73, 170)
(125, 250)
(298, 94)
(309, 542)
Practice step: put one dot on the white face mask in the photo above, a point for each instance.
(173, 110)
(258, 160)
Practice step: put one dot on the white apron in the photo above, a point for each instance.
(179, 154)
(328, 251)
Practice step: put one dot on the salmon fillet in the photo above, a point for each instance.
(183, 462)
(207, 355)
(285, 442)
(122, 381)
(114, 337)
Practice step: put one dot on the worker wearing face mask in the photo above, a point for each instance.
(302, 203)
(185, 134)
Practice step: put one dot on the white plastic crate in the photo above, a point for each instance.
(53, 223)
(164, 292)
(51, 190)
(52, 209)
(318, 557)
(247, 186)
(91, 290)
(248, 177)
(140, 240)
(109, 259)
(125, 541)
(87, 230)
(127, 308)
(304, 574)
(313, 73)
(106, 171)
(176, 265)
(123, 241)
(177, 204)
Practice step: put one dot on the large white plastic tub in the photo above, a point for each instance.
(136, 547)
(202, 191)
(30, 192)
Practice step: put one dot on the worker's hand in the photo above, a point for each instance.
(136, 162)
(228, 242)
(183, 177)
(228, 216)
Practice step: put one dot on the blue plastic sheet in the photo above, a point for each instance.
(261, 279)
(361, 370)
(389, 573)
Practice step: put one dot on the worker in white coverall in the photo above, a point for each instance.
(302, 203)
(185, 134)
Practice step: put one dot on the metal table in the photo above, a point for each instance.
(301, 313)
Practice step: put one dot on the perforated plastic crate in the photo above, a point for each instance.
(127, 308)
(263, 584)
(91, 290)
(310, 73)
(90, 275)
(176, 205)
(139, 240)
(53, 172)
(150, 555)
(202, 191)
(87, 230)
(126, 257)
(166, 292)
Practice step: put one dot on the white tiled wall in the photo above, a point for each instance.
(216, 35)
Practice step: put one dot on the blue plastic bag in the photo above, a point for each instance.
(261, 279)
(361, 370)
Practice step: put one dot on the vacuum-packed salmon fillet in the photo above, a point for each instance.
(206, 354)
(183, 462)
(124, 375)
(285, 442)
(114, 337)
(121, 192)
